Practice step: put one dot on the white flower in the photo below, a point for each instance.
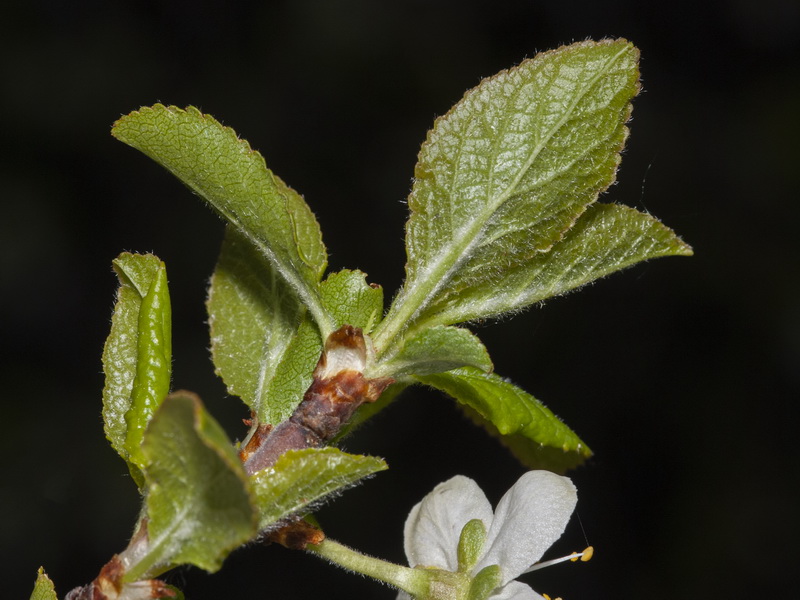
(529, 518)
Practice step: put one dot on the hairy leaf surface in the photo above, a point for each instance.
(198, 498)
(213, 162)
(137, 357)
(352, 301)
(434, 350)
(510, 168)
(606, 238)
(302, 478)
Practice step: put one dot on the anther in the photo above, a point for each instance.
(583, 556)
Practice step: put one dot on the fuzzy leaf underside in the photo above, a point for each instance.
(222, 169)
(510, 410)
(137, 357)
(509, 169)
(43, 589)
(198, 498)
(605, 239)
(301, 479)
(437, 349)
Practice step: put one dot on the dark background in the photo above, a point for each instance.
(681, 374)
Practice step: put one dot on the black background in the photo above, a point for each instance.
(681, 374)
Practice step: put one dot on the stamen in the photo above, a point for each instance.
(583, 556)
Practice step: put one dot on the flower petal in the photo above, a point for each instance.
(529, 518)
(515, 590)
(434, 525)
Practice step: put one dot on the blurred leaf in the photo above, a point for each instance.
(300, 479)
(198, 500)
(352, 301)
(214, 163)
(512, 411)
(434, 350)
(43, 589)
(137, 357)
(509, 169)
(606, 238)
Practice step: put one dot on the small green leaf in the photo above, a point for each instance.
(514, 413)
(254, 319)
(293, 375)
(198, 500)
(352, 301)
(43, 589)
(300, 479)
(434, 350)
(214, 163)
(606, 238)
(137, 358)
(509, 169)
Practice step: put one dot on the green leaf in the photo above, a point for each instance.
(43, 589)
(300, 479)
(263, 347)
(352, 301)
(137, 357)
(434, 350)
(513, 413)
(509, 169)
(214, 163)
(293, 375)
(198, 499)
(254, 320)
(606, 238)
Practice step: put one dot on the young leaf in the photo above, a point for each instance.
(509, 169)
(214, 163)
(352, 301)
(293, 375)
(302, 478)
(254, 320)
(434, 350)
(198, 499)
(43, 589)
(137, 357)
(509, 409)
(606, 238)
